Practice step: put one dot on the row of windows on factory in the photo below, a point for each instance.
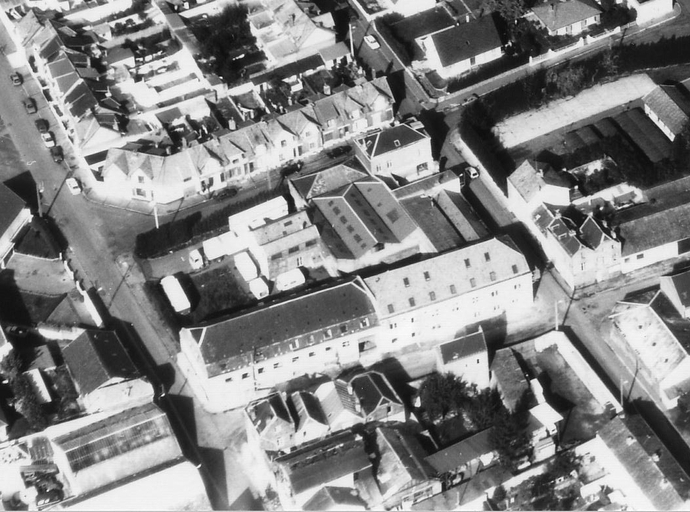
(468, 264)
(294, 249)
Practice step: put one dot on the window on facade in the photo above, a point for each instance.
(343, 219)
(295, 359)
(140, 179)
(261, 370)
(391, 309)
(328, 334)
(229, 379)
(139, 192)
(310, 243)
(640, 256)
(277, 256)
(432, 295)
(411, 301)
(343, 329)
(357, 238)
(582, 265)
(467, 263)
(406, 282)
(427, 276)
(346, 343)
(492, 276)
(515, 269)
(473, 282)
(452, 289)
(422, 167)
(364, 322)
(283, 143)
(299, 261)
(245, 375)
(276, 365)
(328, 349)
(487, 256)
(336, 210)
(293, 250)
(312, 354)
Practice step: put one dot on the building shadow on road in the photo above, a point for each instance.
(213, 474)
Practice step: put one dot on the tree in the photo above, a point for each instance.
(509, 10)
(567, 81)
(484, 407)
(441, 394)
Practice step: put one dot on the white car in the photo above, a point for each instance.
(196, 260)
(73, 186)
(372, 42)
(472, 172)
(48, 139)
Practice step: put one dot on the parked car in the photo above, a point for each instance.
(30, 105)
(42, 125)
(48, 139)
(291, 169)
(47, 498)
(372, 42)
(196, 260)
(16, 79)
(18, 331)
(339, 151)
(73, 186)
(472, 173)
(57, 154)
(226, 193)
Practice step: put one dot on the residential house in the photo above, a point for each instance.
(14, 216)
(270, 423)
(372, 9)
(363, 224)
(285, 33)
(304, 188)
(534, 183)
(375, 397)
(339, 404)
(669, 108)
(643, 340)
(335, 498)
(435, 298)
(568, 17)
(333, 462)
(652, 233)
(310, 419)
(403, 474)
(275, 342)
(677, 289)
(464, 459)
(508, 377)
(461, 48)
(399, 152)
(467, 357)
(103, 373)
(582, 250)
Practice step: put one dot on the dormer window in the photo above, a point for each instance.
(397, 143)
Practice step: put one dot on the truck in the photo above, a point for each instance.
(258, 287)
(290, 279)
(176, 295)
(246, 266)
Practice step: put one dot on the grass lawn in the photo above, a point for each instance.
(217, 290)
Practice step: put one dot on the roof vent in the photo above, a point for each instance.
(467, 43)
(397, 143)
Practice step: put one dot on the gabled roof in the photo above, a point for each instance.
(95, 357)
(335, 498)
(390, 139)
(322, 182)
(272, 329)
(270, 411)
(423, 23)
(681, 282)
(557, 14)
(591, 233)
(402, 461)
(463, 346)
(644, 227)
(12, 206)
(507, 371)
(640, 466)
(325, 461)
(460, 43)
(463, 452)
(527, 179)
(670, 106)
(447, 275)
(308, 408)
(373, 390)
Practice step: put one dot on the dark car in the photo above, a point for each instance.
(339, 151)
(291, 169)
(57, 154)
(16, 79)
(44, 499)
(226, 193)
(42, 125)
(17, 331)
(30, 105)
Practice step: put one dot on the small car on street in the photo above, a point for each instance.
(57, 154)
(339, 151)
(196, 260)
(73, 186)
(48, 139)
(226, 193)
(372, 42)
(42, 125)
(30, 106)
(472, 173)
(16, 79)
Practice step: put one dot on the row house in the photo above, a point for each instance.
(430, 301)
(257, 148)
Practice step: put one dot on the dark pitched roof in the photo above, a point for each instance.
(463, 346)
(681, 283)
(236, 340)
(467, 40)
(307, 407)
(639, 465)
(291, 69)
(668, 103)
(390, 139)
(426, 22)
(509, 374)
(462, 452)
(12, 206)
(556, 14)
(95, 357)
(262, 412)
(373, 390)
(591, 233)
(334, 498)
(644, 227)
(402, 461)
(325, 461)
